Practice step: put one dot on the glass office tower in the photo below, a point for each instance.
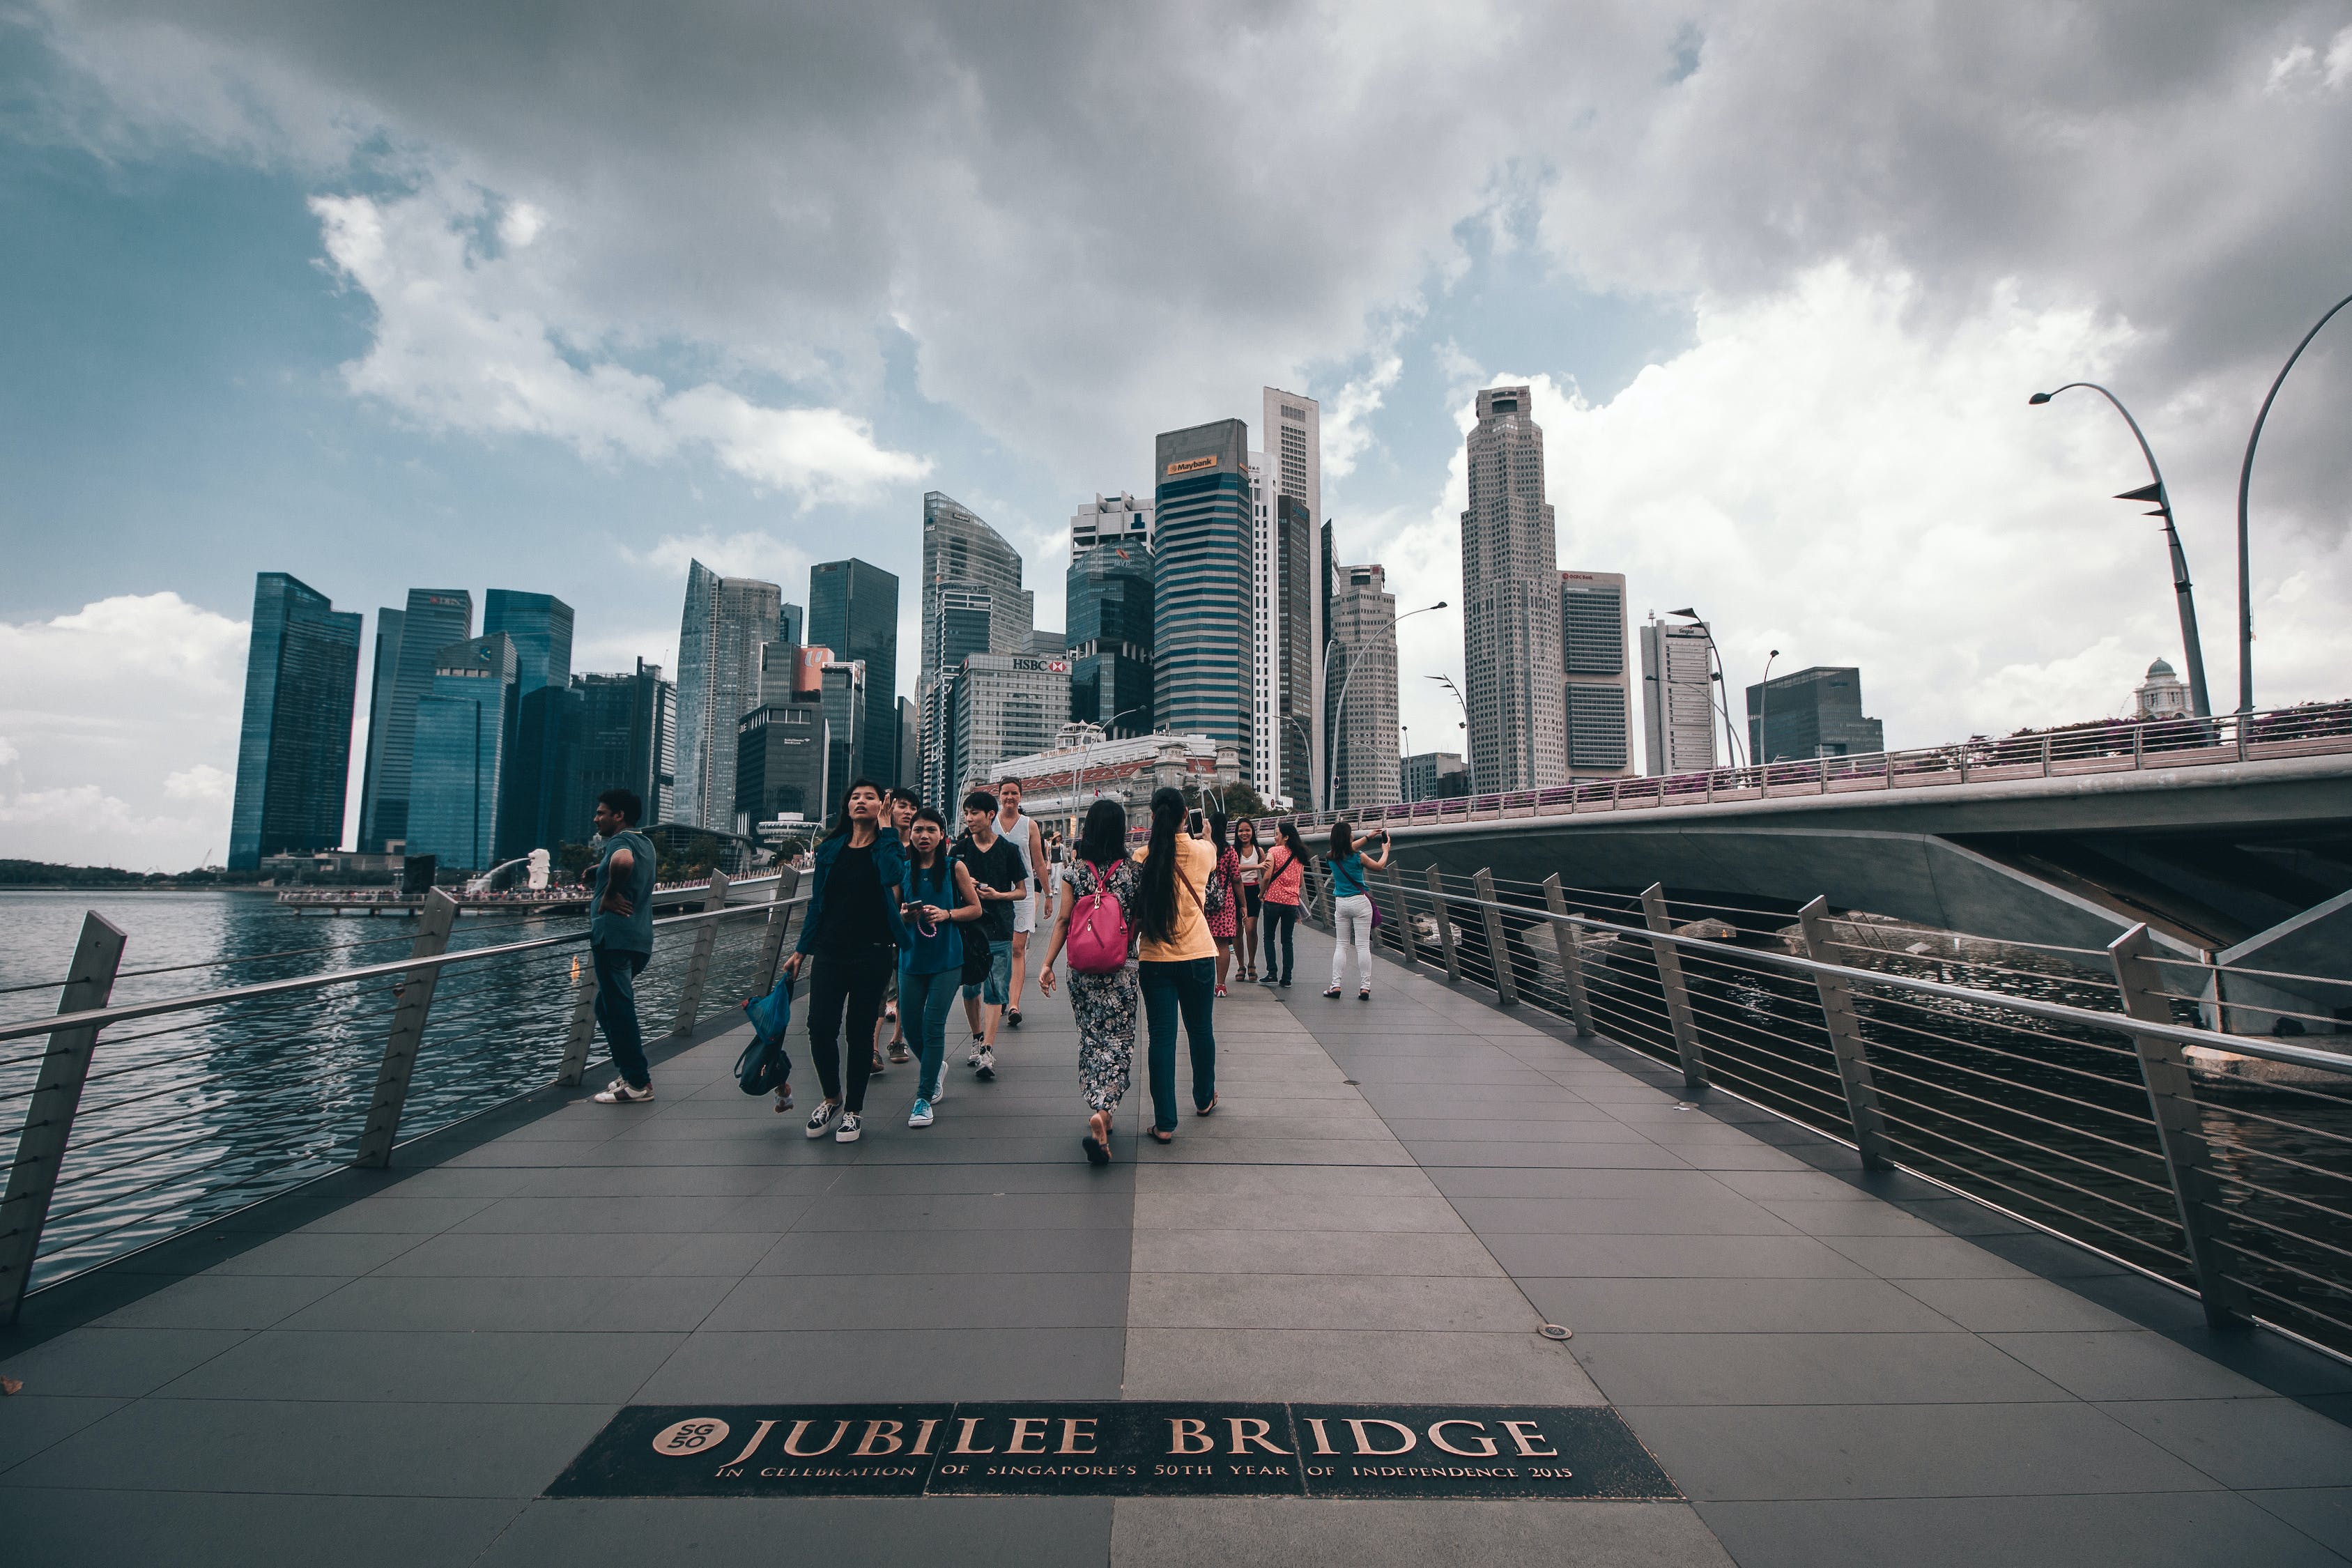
(726, 622)
(434, 618)
(465, 744)
(620, 733)
(1203, 583)
(1110, 611)
(853, 609)
(294, 747)
(531, 808)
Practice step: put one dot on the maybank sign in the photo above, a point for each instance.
(1190, 466)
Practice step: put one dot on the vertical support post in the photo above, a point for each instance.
(698, 967)
(416, 988)
(583, 1026)
(2139, 746)
(50, 1115)
(1498, 950)
(1404, 919)
(1670, 981)
(1571, 956)
(2045, 756)
(780, 926)
(2172, 1098)
(1445, 918)
(1844, 1026)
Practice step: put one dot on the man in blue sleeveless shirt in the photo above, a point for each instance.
(621, 940)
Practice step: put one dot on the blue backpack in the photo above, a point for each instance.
(763, 1064)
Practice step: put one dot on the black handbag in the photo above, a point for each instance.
(763, 1065)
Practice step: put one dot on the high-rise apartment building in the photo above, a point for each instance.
(623, 734)
(1109, 604)
(1677, 698)
(1814, 712)
(1204, 586)
(1510, 596)
(1288, 630)
(294, 746)
(464, 742)
(727, 619)
(1596, 675)
(537, 782)
(853, 610)
(434, 618)
(1362, 676)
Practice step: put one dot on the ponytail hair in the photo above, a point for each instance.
(1159, 898)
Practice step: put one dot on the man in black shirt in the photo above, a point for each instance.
(1002, 879)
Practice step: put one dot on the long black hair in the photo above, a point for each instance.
(1288, 831)
(1103, 840)
(1343, 841)
(840, 818)
(1217, 832)
(1159, 868)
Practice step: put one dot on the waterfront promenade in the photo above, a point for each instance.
(396, 1366)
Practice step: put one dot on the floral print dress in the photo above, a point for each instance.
(1227, 923)
(1104, 1003)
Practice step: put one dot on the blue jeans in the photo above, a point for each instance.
(617, 1010)
(1185, 988)
(924, 1002)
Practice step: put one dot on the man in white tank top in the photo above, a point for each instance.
(1022, 832)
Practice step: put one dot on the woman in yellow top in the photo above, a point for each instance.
(1177, 968)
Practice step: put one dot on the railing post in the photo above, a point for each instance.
(1404, 919)
(1844, 1026)
(2172, 1100)
(49, 1116)
(780, 926)
(2045, 756)
(698, 967)
(583, 1025)
(1571, 959)
(1445, 918)
(1498, 950)
(1670, 981)
(408, 1018)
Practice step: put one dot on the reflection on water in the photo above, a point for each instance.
(189, 1116)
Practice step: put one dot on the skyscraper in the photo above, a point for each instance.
(973, 603)
(910, 748)
(1287, 629)
(781, 750)
(841, 693)
(434, 618)
(294, 747)
(1110, 520)
(1677, 698)
(718, 638)
(384, 682)
(530, 812)
(1814, 712)
(1109, 603)
(465, 744)
(1362, 678)
(999, 706)
(1596, 678)
(1204, 584)
(623, 734)
(1510, 594)
(853, 609)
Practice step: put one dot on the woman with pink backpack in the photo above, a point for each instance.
(1095, 923)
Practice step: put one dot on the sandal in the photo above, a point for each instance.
(1157, 1136)
(1208, 1107)
(1333, 992)
(1096, 1143)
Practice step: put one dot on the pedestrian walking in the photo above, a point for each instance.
(939, 903)
(853, 930)
(997, 877)
(621, 941)
(1351, 905)
(904, 803)
(1245, 851)
(1283, 878)
(1103, 999)
(1224, 897)
(1177, 968)
(1023, 834)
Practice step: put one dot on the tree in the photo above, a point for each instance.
(1238, 800)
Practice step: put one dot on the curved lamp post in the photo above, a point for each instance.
(1079, 772)
(1340, 709)
(2193, 645)
(1763, 717)
(2245, 480)
(1722, 686)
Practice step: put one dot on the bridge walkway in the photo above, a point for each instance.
(1389, 1200)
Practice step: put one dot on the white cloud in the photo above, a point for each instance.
(1347, 419)
(121, 722)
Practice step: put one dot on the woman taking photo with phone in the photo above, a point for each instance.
(1284, 877)
(1100, 876)
(1177, 959)
(937, 899)
(1351, 905)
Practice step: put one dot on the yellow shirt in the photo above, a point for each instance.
(1195, 858)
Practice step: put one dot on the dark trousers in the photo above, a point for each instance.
(617, 1010)
(1186, 989)
(855, 981)
(1279, 921)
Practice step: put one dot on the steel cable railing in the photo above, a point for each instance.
(147, 1117)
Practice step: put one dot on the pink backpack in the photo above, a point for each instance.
(1098, 935)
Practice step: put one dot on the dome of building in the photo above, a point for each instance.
(2159, 668)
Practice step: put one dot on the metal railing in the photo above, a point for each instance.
(2317, 730)
(2092, 1106)
(146, 1119)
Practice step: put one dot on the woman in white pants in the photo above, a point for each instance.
(1351, 905)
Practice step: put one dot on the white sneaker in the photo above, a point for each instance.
(848, 1129)
(821, 1118)
(986, 1066)
(940, 1093)
(619, 1092)
(922, 1115)
(973, 1060)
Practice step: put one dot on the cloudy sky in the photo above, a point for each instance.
(556, 297)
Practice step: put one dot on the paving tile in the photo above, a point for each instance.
(107, 1528)
(422, 1216)
(224, 1301)
(1818, 1219)
(34, 1421)
(1385, 1254)
(383, 1366)
(1698, 1186)
(2324, 1513)
(935, 1301)
(1761, 1452)
(2267, 1442)
(1328, 1301)
(1347, 1365)
(1289, 1532)
(2127, 1365)
(1072, 1251)
(1261, 1181)
(341, 1253)
(1723, 1214)
(2145, 1530)
(618, 1254)
(1635, 1153)
(114, 1362)
(854, 1363)
(1107, 1207)
(1924, 1258)
(1530, 1256)
(844, 1532)
(2017, 1306)
(1733, 1306)
(1754, 1368)
(518, 1304)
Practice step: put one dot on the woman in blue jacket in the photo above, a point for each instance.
(854, 932)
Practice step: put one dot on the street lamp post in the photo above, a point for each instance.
(2192, 646)
(1340, 709)
(1085, 748)
(1764, 717)
(2245, 482)
(1722, 686)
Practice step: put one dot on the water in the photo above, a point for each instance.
(189, 1116)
